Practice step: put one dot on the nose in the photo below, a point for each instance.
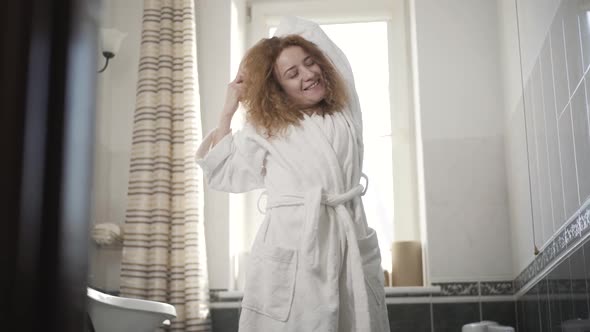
(307, 73)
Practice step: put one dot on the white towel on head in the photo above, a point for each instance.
(107, 234)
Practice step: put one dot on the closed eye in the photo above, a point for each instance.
(290, 72)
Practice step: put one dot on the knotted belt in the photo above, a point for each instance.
(310, 247)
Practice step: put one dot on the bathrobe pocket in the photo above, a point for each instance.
(371, 256)
(270, 281)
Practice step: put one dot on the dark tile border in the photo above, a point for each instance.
(458, 288)
(475, 288)
(492, 288)
(448, 289)
(571, 235)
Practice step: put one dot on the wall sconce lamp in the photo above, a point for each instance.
(111, 41)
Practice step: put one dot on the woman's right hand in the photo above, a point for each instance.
(235, 90)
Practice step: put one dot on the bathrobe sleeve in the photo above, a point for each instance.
(235, 164)
(311, 31)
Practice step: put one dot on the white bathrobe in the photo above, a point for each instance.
(315, 264)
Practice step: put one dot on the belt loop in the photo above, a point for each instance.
(366, 186)
(264, 193)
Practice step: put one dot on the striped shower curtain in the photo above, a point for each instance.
(164, 255)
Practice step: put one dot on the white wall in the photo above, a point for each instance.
(214, 46)
(555, 56)
(116, 103)
(462, 127)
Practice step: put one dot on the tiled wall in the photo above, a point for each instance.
(556, 108)
(411, 317)
(559, 297)
(556, 99)
(455, 305)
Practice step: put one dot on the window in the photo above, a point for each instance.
(366, 47)
(366, 34)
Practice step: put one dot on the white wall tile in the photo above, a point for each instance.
(518, 191)
(582, 141)
(572, 43)
(535, 17)
(533, 161)
(584, 22)
(568, 163)
(559, 169)
(559, 64)
(548, 94)
(544, 179)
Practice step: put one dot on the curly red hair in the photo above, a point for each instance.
(267, 105)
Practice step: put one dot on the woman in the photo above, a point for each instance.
(315, 264)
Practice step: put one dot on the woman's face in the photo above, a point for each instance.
(300, 76)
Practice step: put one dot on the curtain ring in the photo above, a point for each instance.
(366, 186)
(258, 203)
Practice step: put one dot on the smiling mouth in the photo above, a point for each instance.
(316, 83)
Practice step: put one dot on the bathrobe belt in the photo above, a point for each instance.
(312, 200)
